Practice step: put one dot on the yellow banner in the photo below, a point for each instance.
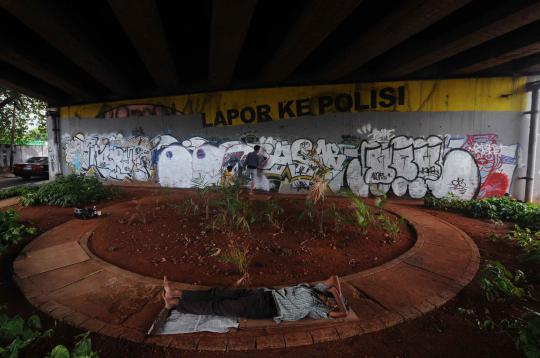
(270, 104)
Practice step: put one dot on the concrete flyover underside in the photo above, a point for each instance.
(59, 275)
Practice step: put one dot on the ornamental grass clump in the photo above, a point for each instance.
(71, 190)
(238, 255)
(363, 217)
(319, 183)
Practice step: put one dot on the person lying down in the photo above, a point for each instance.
(323, 300)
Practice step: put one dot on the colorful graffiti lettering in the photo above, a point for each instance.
(464, 166)
(496, 162)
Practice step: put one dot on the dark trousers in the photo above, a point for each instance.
(232, 303)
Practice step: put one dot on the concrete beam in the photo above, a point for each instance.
(317, 21)
(500, 58)
(36, 67)
(230, 23)
(141, 21)
(527, 65)
(484, 27)
(67, 38)
(16, 80)
(413, 17)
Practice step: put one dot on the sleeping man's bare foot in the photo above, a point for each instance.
(170, 302)
(170, 292)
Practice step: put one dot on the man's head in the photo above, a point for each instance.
(328, 300)
(257, 148)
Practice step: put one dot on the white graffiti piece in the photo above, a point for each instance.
(404, 165)
(460, 176)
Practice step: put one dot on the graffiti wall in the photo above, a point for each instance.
(406, 138)
(377, 161)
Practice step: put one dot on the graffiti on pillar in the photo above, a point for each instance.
(380, 162)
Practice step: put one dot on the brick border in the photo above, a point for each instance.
(435, 270)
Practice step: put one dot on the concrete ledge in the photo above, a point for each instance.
(59, 275)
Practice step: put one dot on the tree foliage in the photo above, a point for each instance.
(30, 117)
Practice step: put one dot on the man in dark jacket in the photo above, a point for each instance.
(253, 161)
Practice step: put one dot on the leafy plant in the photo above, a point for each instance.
(239, 257)
(527, 335)
(11, 230)
(309, 211)
(485, 325)
(82, 349)
(71, 190)
(16, 191)
(380, 201)
(272, 210)
(340, 219)
(204, 191)
(233, 213)
(390, 227)
(525, 238)
(362, 212)
(319, 183)
(526, 215)
(497, 282)
(17, 334)
(186, 207)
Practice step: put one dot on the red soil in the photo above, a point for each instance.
(183, 248)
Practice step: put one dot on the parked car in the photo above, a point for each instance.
(34, 166)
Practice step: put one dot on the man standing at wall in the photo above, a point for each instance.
(253, 162)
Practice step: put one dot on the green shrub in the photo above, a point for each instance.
(524, 214)
(71, 190)
(528, 336)
(11, 230)
(17, 191)
(82, 349)
(17, 334)
(525, 238)
(203, 190)
(497, 282)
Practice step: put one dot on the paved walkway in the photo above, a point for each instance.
(59, 275)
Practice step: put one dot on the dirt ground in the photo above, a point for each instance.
(441, 333)
(182, 247)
